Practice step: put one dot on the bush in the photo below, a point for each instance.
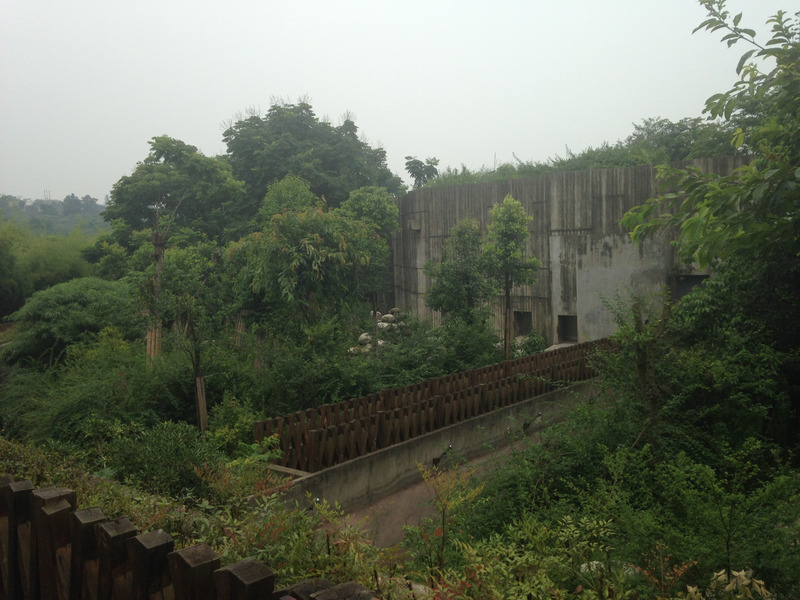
(68, 313)
(107, 377)
(532, 343)
(163, 459)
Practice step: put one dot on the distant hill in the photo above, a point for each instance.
(54, 217)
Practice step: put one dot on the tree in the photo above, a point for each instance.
(292, 193)
(462, 284)
(68, 313)
(421, 171)
(192, 300)
(507, 255)
(175, 185)
(308, 263)
(71, 205)
(290, 139)
(178, 183)
(375, 205)
(755, 210)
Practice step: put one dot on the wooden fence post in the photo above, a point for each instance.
(85, 563)
(147, 554)
(192, 572)
(52, 508)
(246, 580)
(7, 537)
(114, 576)
(19, 534)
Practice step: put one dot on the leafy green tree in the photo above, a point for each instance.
(305, 263)
(179, 183)
(462, 283)
(375, 205)
(507, 255)
(193, 300)
(71, 205)
(34, 262)
(755, 209)
(292, 193)
(175, 186)
(68, 313)
(421, 172)
(291, 139)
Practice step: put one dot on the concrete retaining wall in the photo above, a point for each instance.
(586, 255)
(383, 472)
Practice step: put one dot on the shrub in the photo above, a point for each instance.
(163, 458)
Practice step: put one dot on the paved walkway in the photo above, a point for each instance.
(385, 518)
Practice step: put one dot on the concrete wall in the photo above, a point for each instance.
(383, 472)
(575, 233)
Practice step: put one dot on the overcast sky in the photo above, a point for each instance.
(84, 84)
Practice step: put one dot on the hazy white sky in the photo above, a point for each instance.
(84, 84)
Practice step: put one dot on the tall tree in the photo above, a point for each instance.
(305, 264)
(174, 186)
(178, 183)
(376, 207)
(462, 283)
(421, 171)
(508, 256)
(291, 139)
(192, 300)
(755, 210)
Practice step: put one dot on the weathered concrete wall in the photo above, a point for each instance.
(383, 472)
(585, 253)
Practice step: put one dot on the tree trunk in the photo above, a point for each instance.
(159, 239)
(200, 400)
(508, 330)
(153, 341)
(375, 323)
(239, 331)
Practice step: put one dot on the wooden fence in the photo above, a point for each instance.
(321, 437)
(51, 551)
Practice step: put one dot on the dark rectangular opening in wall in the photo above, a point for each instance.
(567, 328)
(683, 284)
(523, 323)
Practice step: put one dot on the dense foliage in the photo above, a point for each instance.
(290, 139)
(682, 479)
(257, 271)
(653, 141)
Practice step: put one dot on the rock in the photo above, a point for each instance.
(364, 339)
(388, 318)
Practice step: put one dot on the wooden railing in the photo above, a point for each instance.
(49, 550)
(321, 437)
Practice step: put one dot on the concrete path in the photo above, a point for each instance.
(384, 518)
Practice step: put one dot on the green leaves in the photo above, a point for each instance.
(177, 182)
(462, 284)
(290, 139)
(755, 209)
(421, 171)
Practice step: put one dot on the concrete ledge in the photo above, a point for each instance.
(365, 479)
